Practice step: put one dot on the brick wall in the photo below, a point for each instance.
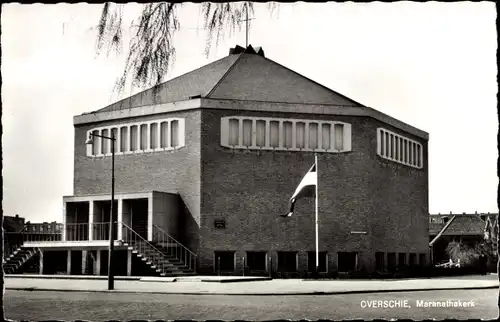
(358, 191)
(170, 171)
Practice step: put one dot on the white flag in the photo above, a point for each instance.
(306, 188)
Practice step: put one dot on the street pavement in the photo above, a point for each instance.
(195, 286)
(53, 305)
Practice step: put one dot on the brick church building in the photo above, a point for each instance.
(205, 166)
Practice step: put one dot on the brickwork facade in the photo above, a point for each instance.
(358, 191)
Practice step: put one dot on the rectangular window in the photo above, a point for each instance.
(144, 136)
(153, 134)
(414, 150)
(114, 134)
(391, 140)
(419, 156)
(234, 132)
(405, 151)
(387, 145)
(421, 260)
(300, 128)
(105, 144)
(391, 261)
(382, 143)
(274, 131)
(410, 155)
(347, 261)
(396, 147)
(174, 133)
(247, 132)
(96, 141)
(164, 135)
(379, 261)
(413, 259)
(313, 136)
(287, 134)
(401, 150)
(256, 261)
(239, 132)
(401, 259)
(287, 261)
(133, 138)
(339, 136)
(326, 128)
(260, 133)
(311, 262)
(224, 261)
(124, 146)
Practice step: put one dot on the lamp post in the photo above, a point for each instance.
(111, 278)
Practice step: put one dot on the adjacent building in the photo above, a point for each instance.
(469, 229)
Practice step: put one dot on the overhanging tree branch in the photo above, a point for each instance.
(151, 50)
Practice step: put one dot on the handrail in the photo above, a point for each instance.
(164, 261)
(144, 240)
(77, 231)
(165, 233)
(142, 247)
(100, 231)
(14, 240)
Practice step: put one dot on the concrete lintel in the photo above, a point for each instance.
(63, 245)
(137, 111)
(107, 197)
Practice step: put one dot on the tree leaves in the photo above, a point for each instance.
(151, 49)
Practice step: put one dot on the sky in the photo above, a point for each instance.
(431, 65)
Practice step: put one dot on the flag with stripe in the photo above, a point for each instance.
(306, 188)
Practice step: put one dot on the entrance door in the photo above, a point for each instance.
(139, 215)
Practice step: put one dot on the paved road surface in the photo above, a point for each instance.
(45, 305)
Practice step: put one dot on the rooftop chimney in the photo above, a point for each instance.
(236, 50)
(249, 50)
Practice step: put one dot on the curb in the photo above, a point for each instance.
(236, 280)
(73, 277)
(32, 289)
(140, 279)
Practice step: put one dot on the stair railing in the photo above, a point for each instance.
(179, 251)
(144, 247)
(14, 240)
(77, 231)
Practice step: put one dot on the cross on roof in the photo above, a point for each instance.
(247, 25)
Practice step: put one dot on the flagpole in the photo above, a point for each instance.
(316, 216)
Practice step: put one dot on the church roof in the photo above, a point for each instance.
(245, 74)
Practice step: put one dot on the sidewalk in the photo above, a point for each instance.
(195, 285)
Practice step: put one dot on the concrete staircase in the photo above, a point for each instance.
(16, 260)
(161, 264)
(160, 257)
